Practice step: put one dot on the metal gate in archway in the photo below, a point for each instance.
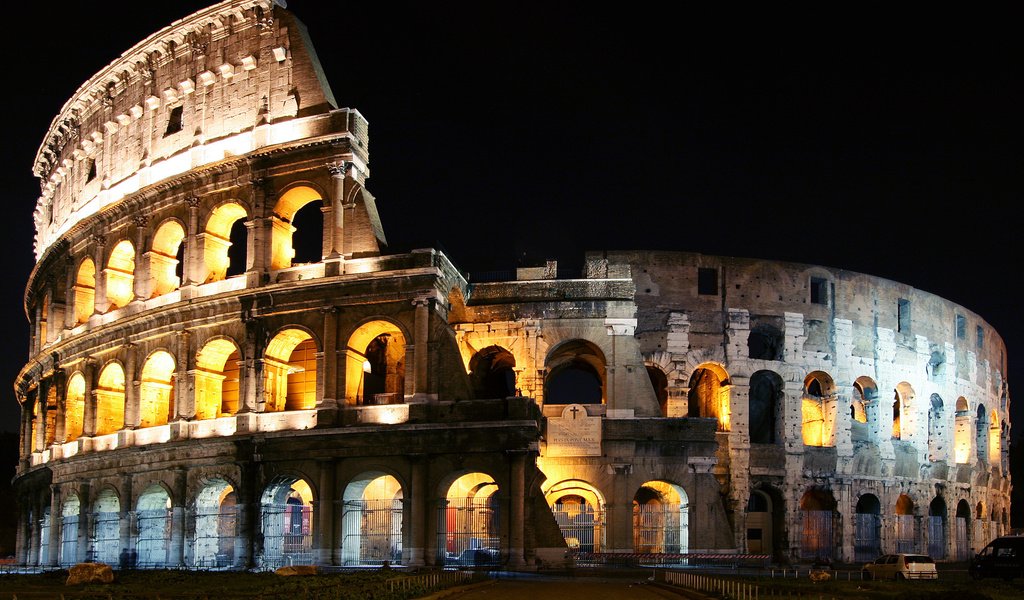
(287, 535)
(468, 533)
(937, 537)
(816, 537)
(867, 544)
(380, 530)
(582, 527)
(963, 544)
(905, 539)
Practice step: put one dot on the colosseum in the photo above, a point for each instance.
(229, 369)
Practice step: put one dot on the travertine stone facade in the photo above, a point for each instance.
(204, 390)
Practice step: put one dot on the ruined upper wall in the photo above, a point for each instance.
(220, 83)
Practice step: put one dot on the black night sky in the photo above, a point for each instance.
(511, 133)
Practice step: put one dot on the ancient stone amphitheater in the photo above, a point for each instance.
(204, 391)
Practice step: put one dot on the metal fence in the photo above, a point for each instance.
(906, 541)
(582, 527)
(816, 536)
(468, 533)
(379, 537)
(937, 537)
(867, 543)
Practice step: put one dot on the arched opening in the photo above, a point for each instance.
(963, 540)
(981, 429)
(760, 530)
(156, 390)
(661, 520)
(708, 396)
(575, 374)
(937, 529)
(44, 311)
(865, 401)
(962, 432)
(153, 519)
(105, 541)
(85, 291)
(165, 258)
(120, 274)
(492, 373)
(765, 342)
(817, 510)
(287, 524)
(902, 399)
(906, 538)
(468, 527)
(372, 521)
(767, 399)
(217, 379)
(51, 417)
(375, 364)
(217, 543)
(224, 243)
(818, 410)
(286, 235)
(579, 510)
(69, 518)
(74, 408)
(867, 541)
(659, 381)
(995, 449)
(110, 399)
(290, 371)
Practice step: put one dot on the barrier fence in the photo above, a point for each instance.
(737, 590)
(670, 559)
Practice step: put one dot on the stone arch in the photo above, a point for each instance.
(166, 257)
(105, 538)
(375, 360)
(936, 428)
(283, 222)
(492, 373)
(659, 381)
(962, 536)
(708, 395)
(661, 518)
(937, 547)
(469, 530)
(981, 433)
(85, 291)
(995, 449)
(216, 540)
(579, 510)
(372, 524)
(70, 521)
(902, 400)
(156, 389)
(286, 510)
(767, 397)
(905, 537)
(217, 378)
(74, 407)
(110, 398)
(120, 275)
(865, 404)
(817, 511)
(575, 373)
(867, 537)
(290, 370)
(962, 437)
(818, 409)
(223, 243)
(153, 522)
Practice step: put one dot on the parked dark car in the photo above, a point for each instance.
(1003, 557)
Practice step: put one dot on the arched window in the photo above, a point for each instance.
(290, 243)
(85, 291)
(818, 409)
(767, 400)
(962, 432)
(156, 392)
(708, 396)
(74, 408)
(165, 260)
(492, 373)
(290, 366)
(575, 374)
(217, 379)
(224, 242)
(120, 274)
(110, 399)
(902, 400)
(375, 364)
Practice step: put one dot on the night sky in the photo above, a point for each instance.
(510, 133)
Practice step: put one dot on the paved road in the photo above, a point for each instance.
(567, 588)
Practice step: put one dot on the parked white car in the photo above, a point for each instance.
(901, 566)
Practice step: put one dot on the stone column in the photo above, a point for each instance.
(421, 343)
(39, 438)
(328, 404)
(324, 535)
(89, 410)
(142, 286)
(127, 514)
(100, 304)
(417, 513)
(184, 392)
(176, 555)
(69, 296)
(260, 240)
(620, 510)
(517, 522)
(35, 529)
(27, 408)
(60, 389)
(191, 271)
(84, 508)
(336, 225)
(55, 512)
(132, 412)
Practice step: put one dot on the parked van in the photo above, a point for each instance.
(1003, 557)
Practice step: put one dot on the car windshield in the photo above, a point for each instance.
(913, 558)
